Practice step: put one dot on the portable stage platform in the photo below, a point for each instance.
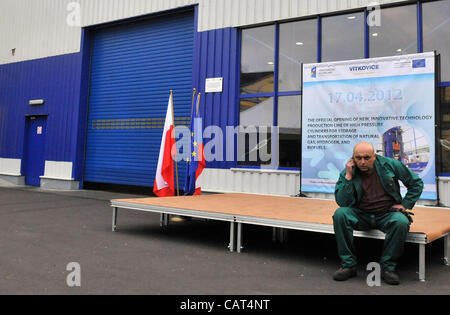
(306, 214)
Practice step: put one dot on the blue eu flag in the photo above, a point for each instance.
(196, 161)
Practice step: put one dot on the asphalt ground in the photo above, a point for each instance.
(42, 232)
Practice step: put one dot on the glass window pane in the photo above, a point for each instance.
(397, 33)
(289, 123)
(257, 60)
(257, 111)
(298, 44)
(436, 32)
(343, 37)
(444, 143)
(254, 142)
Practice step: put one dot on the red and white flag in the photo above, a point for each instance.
(164, 180)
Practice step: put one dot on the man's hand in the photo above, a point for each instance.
(349, 169)
(400, 207)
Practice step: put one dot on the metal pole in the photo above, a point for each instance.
(447, 250)
(166, 219)
(422, 262)
(172, 135)
(239, 237)
(231, 245)
(114, 219)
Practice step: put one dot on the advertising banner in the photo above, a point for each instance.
(389, 102)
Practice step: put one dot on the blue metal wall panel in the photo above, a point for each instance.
(55, 80)
(134, 66)
(217, 56)
(80, 143)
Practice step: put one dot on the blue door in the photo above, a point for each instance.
(34, 161)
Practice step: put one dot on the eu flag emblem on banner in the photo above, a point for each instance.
(196, 161)
(419, 63)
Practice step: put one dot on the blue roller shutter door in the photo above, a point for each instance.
(134, 67)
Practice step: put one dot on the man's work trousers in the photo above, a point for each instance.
(394, 224)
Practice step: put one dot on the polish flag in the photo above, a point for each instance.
(164, 180)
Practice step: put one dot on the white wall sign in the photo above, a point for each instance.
(213, 85)
(39, 130)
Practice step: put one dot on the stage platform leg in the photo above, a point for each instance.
(239, 238)
(422, 262)
(163, 219)
(447, 250)
(114, 219)
(232, 238)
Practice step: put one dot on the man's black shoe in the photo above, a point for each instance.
(390, 277)
(343, 274)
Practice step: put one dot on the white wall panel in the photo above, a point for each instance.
(58, 170)
(10, 167)
(444, 191)
(38, 28)
(248, 12)
(101, 11)
(269, 182)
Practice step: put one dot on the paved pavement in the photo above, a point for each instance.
(42, 231)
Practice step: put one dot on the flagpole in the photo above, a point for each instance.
(192, 106)
(198, 103)
(190, 118)
(176, 164)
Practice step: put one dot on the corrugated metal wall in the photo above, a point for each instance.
(282, 183)
(444, 191)
(225, 13)
(55, 80)
(216, 55)
(101, 11)
(35, 29)
(39, 28)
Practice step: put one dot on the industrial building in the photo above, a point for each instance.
(84, 84)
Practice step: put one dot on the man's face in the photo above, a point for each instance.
(364, 157)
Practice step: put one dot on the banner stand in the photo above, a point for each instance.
(437, 115)
(300, 194)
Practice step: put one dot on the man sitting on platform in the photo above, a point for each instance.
(368, 193)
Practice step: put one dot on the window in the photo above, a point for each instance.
(343, 37)
(436, 32)
(256, 120)
(397, 34)
(298, 44)
(289, 132)
(257, 111)
(257, 60)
